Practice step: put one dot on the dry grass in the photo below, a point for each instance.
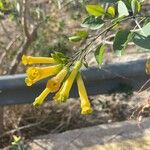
(28, 122)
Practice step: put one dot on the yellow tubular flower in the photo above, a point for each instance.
(52, 86)
(28, 60)
(63, 93)
(40, 99)
(54, 83)
(35, 74)
(85, 104)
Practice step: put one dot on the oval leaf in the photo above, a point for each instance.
(93, 23)
(95, 10)
(75, 38)
(78, 36)
(142, 38)
(146, 30)
(82, 34)
(142, 41)
(136, 6)
(99, 53)
(120, 41)
(1, 5)
(122, 9)
(111, 11)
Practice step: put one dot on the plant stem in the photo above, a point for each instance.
(83, 52)
(104, 31)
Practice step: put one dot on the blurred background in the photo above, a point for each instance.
(38, 28)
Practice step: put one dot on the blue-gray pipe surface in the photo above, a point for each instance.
(113, 77)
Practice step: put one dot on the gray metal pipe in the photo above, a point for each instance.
(113, 77)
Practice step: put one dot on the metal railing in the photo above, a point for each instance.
(113, 77)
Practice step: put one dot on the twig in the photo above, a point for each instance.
(24, 18)
(143, 85)
(25, 46)
(5, 30)
(67, 3)
(20, 128)
(58, 128)
(59, 4)
(29, 38)
(8, 48)
(105, 30)
(27, 42)
(139, 26)
(111, 43)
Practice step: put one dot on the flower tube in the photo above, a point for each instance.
(85, 104)
(63, 93)
(53, 85)
(35, 74)
(28, 60)
(40, 99)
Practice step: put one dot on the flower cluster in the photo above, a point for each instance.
(61, 81)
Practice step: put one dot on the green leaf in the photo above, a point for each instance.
(82, 34)
(146, 21)
(78, 36)
(111, 11)
(136, 6)
(145, 30)
(75, 38)
(142, 38)
(142, 41)
(120, 41)
(99, 53)
(93, 23)
(122, 9)
(95, 10)
(59, 57)
(1, 5)
(127, 3)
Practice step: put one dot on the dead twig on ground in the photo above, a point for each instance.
(20, 128)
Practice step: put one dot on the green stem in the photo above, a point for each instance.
(104, 31)
(82, 53)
